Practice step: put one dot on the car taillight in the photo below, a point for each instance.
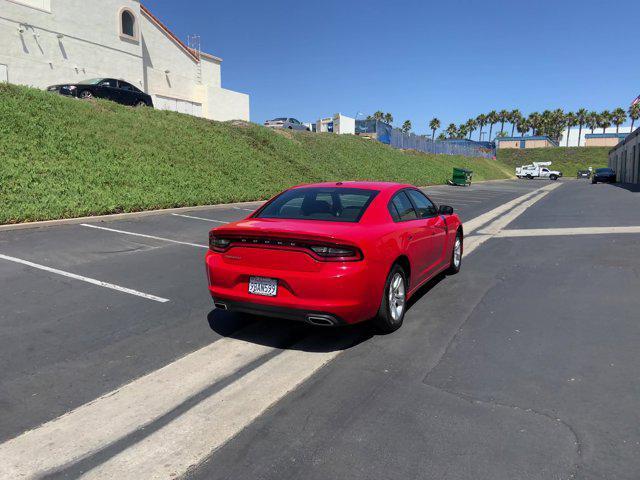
(218, 244)
(336, 252)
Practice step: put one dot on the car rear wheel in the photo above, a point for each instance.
(553, 177)
(529, 177)
(86, 95)
(394, 301)
(456, 255)
(141, 103)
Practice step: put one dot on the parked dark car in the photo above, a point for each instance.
(583, 174)
(604, 175)
(108, 88)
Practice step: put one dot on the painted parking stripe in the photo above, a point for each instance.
(198, 218)
(161, 424)
(245, 209)
(153, 237)
(554, 232)
(81, 278)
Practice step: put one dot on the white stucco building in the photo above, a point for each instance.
(46, 42)
(573, 137)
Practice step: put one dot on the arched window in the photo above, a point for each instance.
(128, 24)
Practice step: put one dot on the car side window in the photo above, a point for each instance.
(424, 206)
(126, 86)
(404, 208)
(108, 83)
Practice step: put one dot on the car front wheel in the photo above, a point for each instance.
(394, 301)
(141, 103)
(86, 95)
(456, 255)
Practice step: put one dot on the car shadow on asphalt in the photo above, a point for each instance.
(287, 334)
(631, 187)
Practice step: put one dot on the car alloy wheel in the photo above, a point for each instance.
(397, 296)
(457, 252)
(140, 103)
(86, 95)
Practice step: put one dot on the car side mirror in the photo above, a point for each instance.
(445, 210)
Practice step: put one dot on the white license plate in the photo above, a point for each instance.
(267, 287)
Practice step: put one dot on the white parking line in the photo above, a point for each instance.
(198, 218)
(153, 237)
(245, 209)
(553, 232)
(84, 279)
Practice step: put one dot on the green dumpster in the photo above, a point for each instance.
(461, 177)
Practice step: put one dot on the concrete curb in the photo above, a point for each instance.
(146, 213)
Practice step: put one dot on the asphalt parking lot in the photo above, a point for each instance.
(524, 365)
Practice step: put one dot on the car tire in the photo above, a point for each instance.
(86, 95)
(593, 182)
(456, 254)
(140, 103)
(553, 177)
(390, 316)
(529, 177)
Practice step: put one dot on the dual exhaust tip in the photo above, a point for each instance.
(318, 320)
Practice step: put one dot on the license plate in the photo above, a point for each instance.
(267, 287)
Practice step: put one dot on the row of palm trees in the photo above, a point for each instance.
(550, 123)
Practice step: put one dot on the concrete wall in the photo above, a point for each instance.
(602, 142)
(508, 144)
(222, 104)
(573, 137)
(625, 159)
(59, 45)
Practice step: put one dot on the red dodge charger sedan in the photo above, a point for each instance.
(334, 253)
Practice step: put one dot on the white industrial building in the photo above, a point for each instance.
(340, 124)
(47, 42)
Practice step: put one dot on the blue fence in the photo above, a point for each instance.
(394, 137)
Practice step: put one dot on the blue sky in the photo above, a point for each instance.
(417, 59)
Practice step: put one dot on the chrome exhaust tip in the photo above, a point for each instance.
(220, 305)
(320, 321)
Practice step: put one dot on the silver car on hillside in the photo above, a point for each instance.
(286, 123)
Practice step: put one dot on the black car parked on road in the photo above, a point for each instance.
(108, 88)
(604, 175)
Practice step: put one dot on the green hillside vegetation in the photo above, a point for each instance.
(62, 158)
(567, 160)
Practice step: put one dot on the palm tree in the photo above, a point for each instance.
(462, 130)
(570, 120)
(378, 116)
(618, 117)
(535, 122)
(434, 124)
(388, 118)
(492, 119)
(581, 119)
(634, 113)
(523, 126)
(481, 121)
(604, 120)
(471, 126)
(503, 116)
(452, 130)
(593, 118)
(514, 117)
(406, 126)
(442, 136)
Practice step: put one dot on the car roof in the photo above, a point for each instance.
(365, 185)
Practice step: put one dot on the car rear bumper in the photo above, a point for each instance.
(340, 292)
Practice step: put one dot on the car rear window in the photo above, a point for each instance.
(316, 203)
(604, 170)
